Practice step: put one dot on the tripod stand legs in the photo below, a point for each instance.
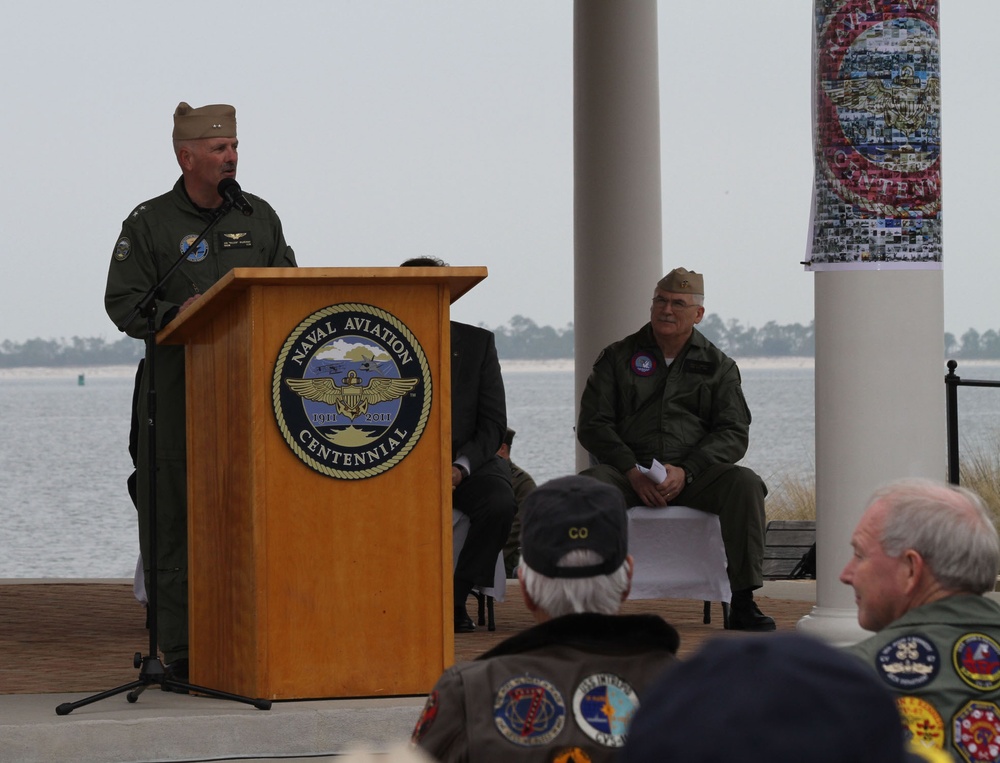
(153, 673)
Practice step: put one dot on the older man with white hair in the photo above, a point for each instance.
(925, 553)
(567, 688)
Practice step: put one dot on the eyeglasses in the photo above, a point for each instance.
(674, 304)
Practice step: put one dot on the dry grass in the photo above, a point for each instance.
(979, 470)
(794, 497)
(791, 498)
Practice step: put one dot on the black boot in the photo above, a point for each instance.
(745, 615)
(463, 623)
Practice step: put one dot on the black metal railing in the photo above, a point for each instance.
(952, 382)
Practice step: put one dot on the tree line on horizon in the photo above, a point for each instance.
(520, 339)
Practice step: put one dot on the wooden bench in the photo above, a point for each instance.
(785, 542)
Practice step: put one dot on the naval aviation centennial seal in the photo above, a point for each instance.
(351, 391)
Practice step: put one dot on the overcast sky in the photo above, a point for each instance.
(381, 130)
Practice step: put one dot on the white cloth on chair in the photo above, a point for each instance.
(678, 554)
(459, 529)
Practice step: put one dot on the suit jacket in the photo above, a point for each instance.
(478, 404)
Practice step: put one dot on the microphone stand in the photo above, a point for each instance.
(151, 669)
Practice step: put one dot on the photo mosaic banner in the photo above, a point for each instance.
(877, 136)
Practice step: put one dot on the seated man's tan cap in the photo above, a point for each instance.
(682, 281)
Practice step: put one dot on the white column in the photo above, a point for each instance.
(617, 212)
(880, 412)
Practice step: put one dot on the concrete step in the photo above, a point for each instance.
(162, 726)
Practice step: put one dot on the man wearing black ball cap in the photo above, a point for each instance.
(565, 689)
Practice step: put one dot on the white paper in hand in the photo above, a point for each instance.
(656, 472)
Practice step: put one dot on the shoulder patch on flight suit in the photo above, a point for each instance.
(908, 662)
(976, 658)
(642, 364)
(427, 717)
(924, 725)
(123, 249)
(529, 711)
(603, 705)
(975, 732)
(570, 755)
(704, 367)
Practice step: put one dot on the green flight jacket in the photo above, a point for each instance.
(157, 231)
(691, 413)
(152, 238)
(945, 655)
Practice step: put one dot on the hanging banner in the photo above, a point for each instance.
(877, 136)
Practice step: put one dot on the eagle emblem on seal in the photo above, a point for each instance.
(352, 398)
(905, 103)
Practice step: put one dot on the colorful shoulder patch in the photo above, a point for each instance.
(908, 662)
(976, 732)
(976, 658)
(643, 364)
(570, 755)
(603, 705)
(529, 711)
(922, 721)
(123, 249)
(426, 719)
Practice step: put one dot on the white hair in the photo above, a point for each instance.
(948, 526)
(602, 594)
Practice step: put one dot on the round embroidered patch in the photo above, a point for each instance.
(200, 252)
(529, 711)
(976, 658)
(976, 732)
(426, 718)
(603, 706)
(123, 249)
(922, 721)
(570, 755)
(908, 662)
(643, 364)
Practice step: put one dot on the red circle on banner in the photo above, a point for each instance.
(879, 187)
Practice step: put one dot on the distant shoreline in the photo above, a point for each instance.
(514, 366)
(558, 365)
(68, 372)
(566, 364)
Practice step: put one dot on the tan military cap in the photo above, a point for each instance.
(682, 281)
(215, 121)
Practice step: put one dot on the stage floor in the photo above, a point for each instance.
(79, 636)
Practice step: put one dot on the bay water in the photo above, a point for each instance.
(65, 512)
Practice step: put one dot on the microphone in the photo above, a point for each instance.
(230, 190)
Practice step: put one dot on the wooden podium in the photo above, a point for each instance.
(302, 584)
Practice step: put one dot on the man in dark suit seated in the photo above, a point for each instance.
(479, 477)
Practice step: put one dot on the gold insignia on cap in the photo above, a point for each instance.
(682, 281)
(214, 120)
